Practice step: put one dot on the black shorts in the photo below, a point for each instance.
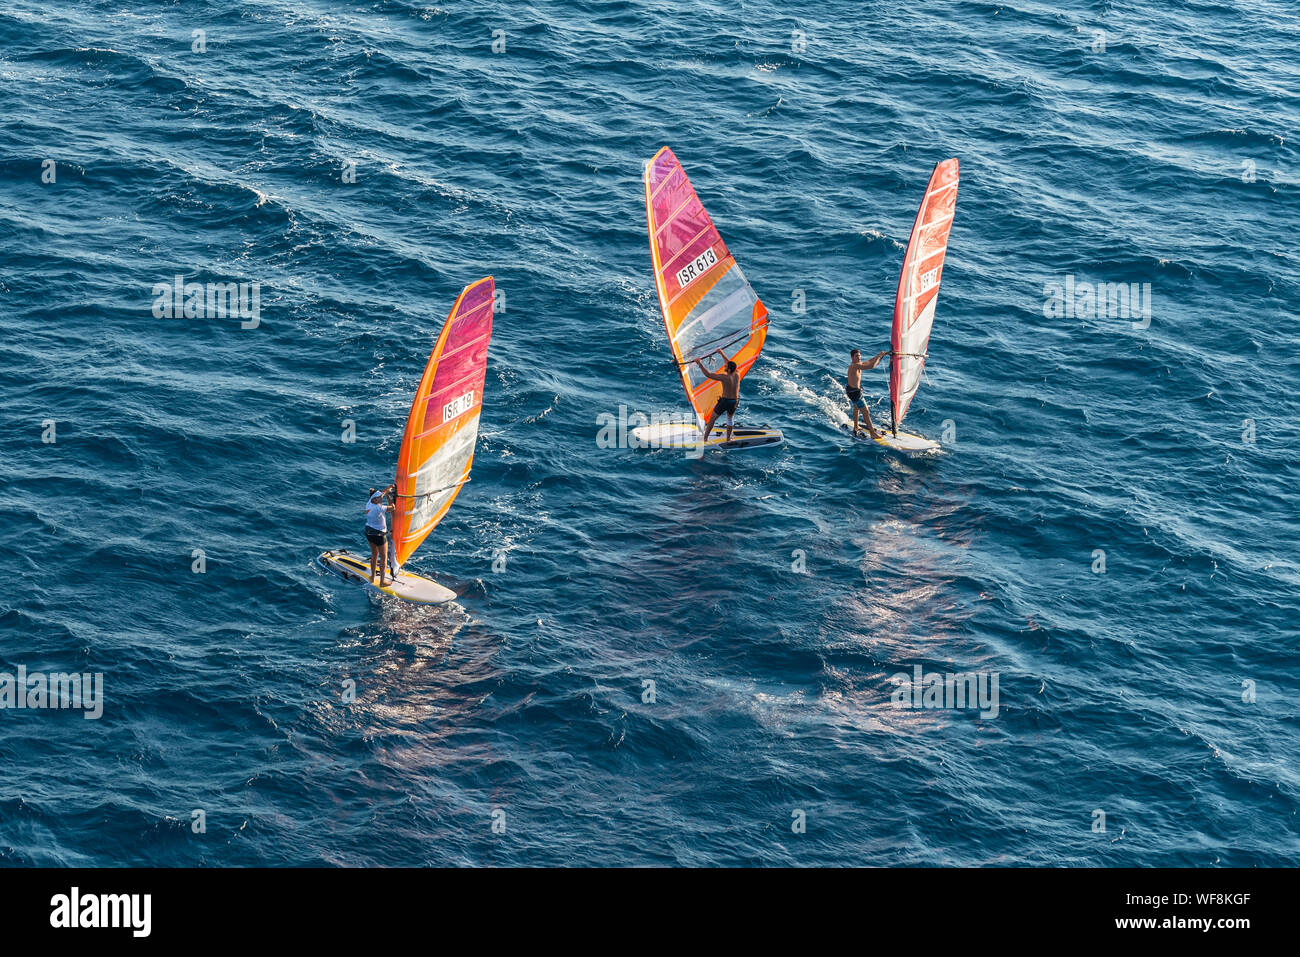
(725, 406)
(375, 537)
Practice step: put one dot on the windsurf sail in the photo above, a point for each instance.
(707, 303)
(918, 288)
(441, 430)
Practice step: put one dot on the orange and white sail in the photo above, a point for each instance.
(707, 303)
(442, 428)
(918, 288)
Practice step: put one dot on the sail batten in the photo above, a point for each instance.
(442, 427)
(918, 288)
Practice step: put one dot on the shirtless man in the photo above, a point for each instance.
(730, 393)
(853, 388)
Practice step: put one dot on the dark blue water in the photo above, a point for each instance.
(1167, 157)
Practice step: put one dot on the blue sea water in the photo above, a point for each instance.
(1100, 142)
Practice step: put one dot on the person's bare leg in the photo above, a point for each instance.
(383, 564)
(728, 428)
(708, 426)
(870, 428)
(856, 430)
(374, 552)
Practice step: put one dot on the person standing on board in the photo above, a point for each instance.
(377, 531)
(390, 499)
(730, 397)
(853, 388)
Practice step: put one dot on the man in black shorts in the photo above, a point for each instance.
(730, 398)
(853, 388)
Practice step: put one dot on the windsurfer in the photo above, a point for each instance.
(730, 397)
(853, 389)
(377, 511)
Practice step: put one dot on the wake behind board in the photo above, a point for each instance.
(902, 442)
(408, 586)
(686, 436)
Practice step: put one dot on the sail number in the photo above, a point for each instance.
(694, 270)
(458, 405)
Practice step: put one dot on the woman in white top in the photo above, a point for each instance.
(377, 531)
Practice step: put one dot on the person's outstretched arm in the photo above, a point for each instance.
(716, 377)
(873, 361)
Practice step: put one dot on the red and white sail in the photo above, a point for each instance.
(918, 288)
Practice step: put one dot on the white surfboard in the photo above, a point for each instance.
(407, 585)
(686, 436)
(902, 442)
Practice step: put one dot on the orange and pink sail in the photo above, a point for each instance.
(707, 303)
(918, 288)
(442, 428)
